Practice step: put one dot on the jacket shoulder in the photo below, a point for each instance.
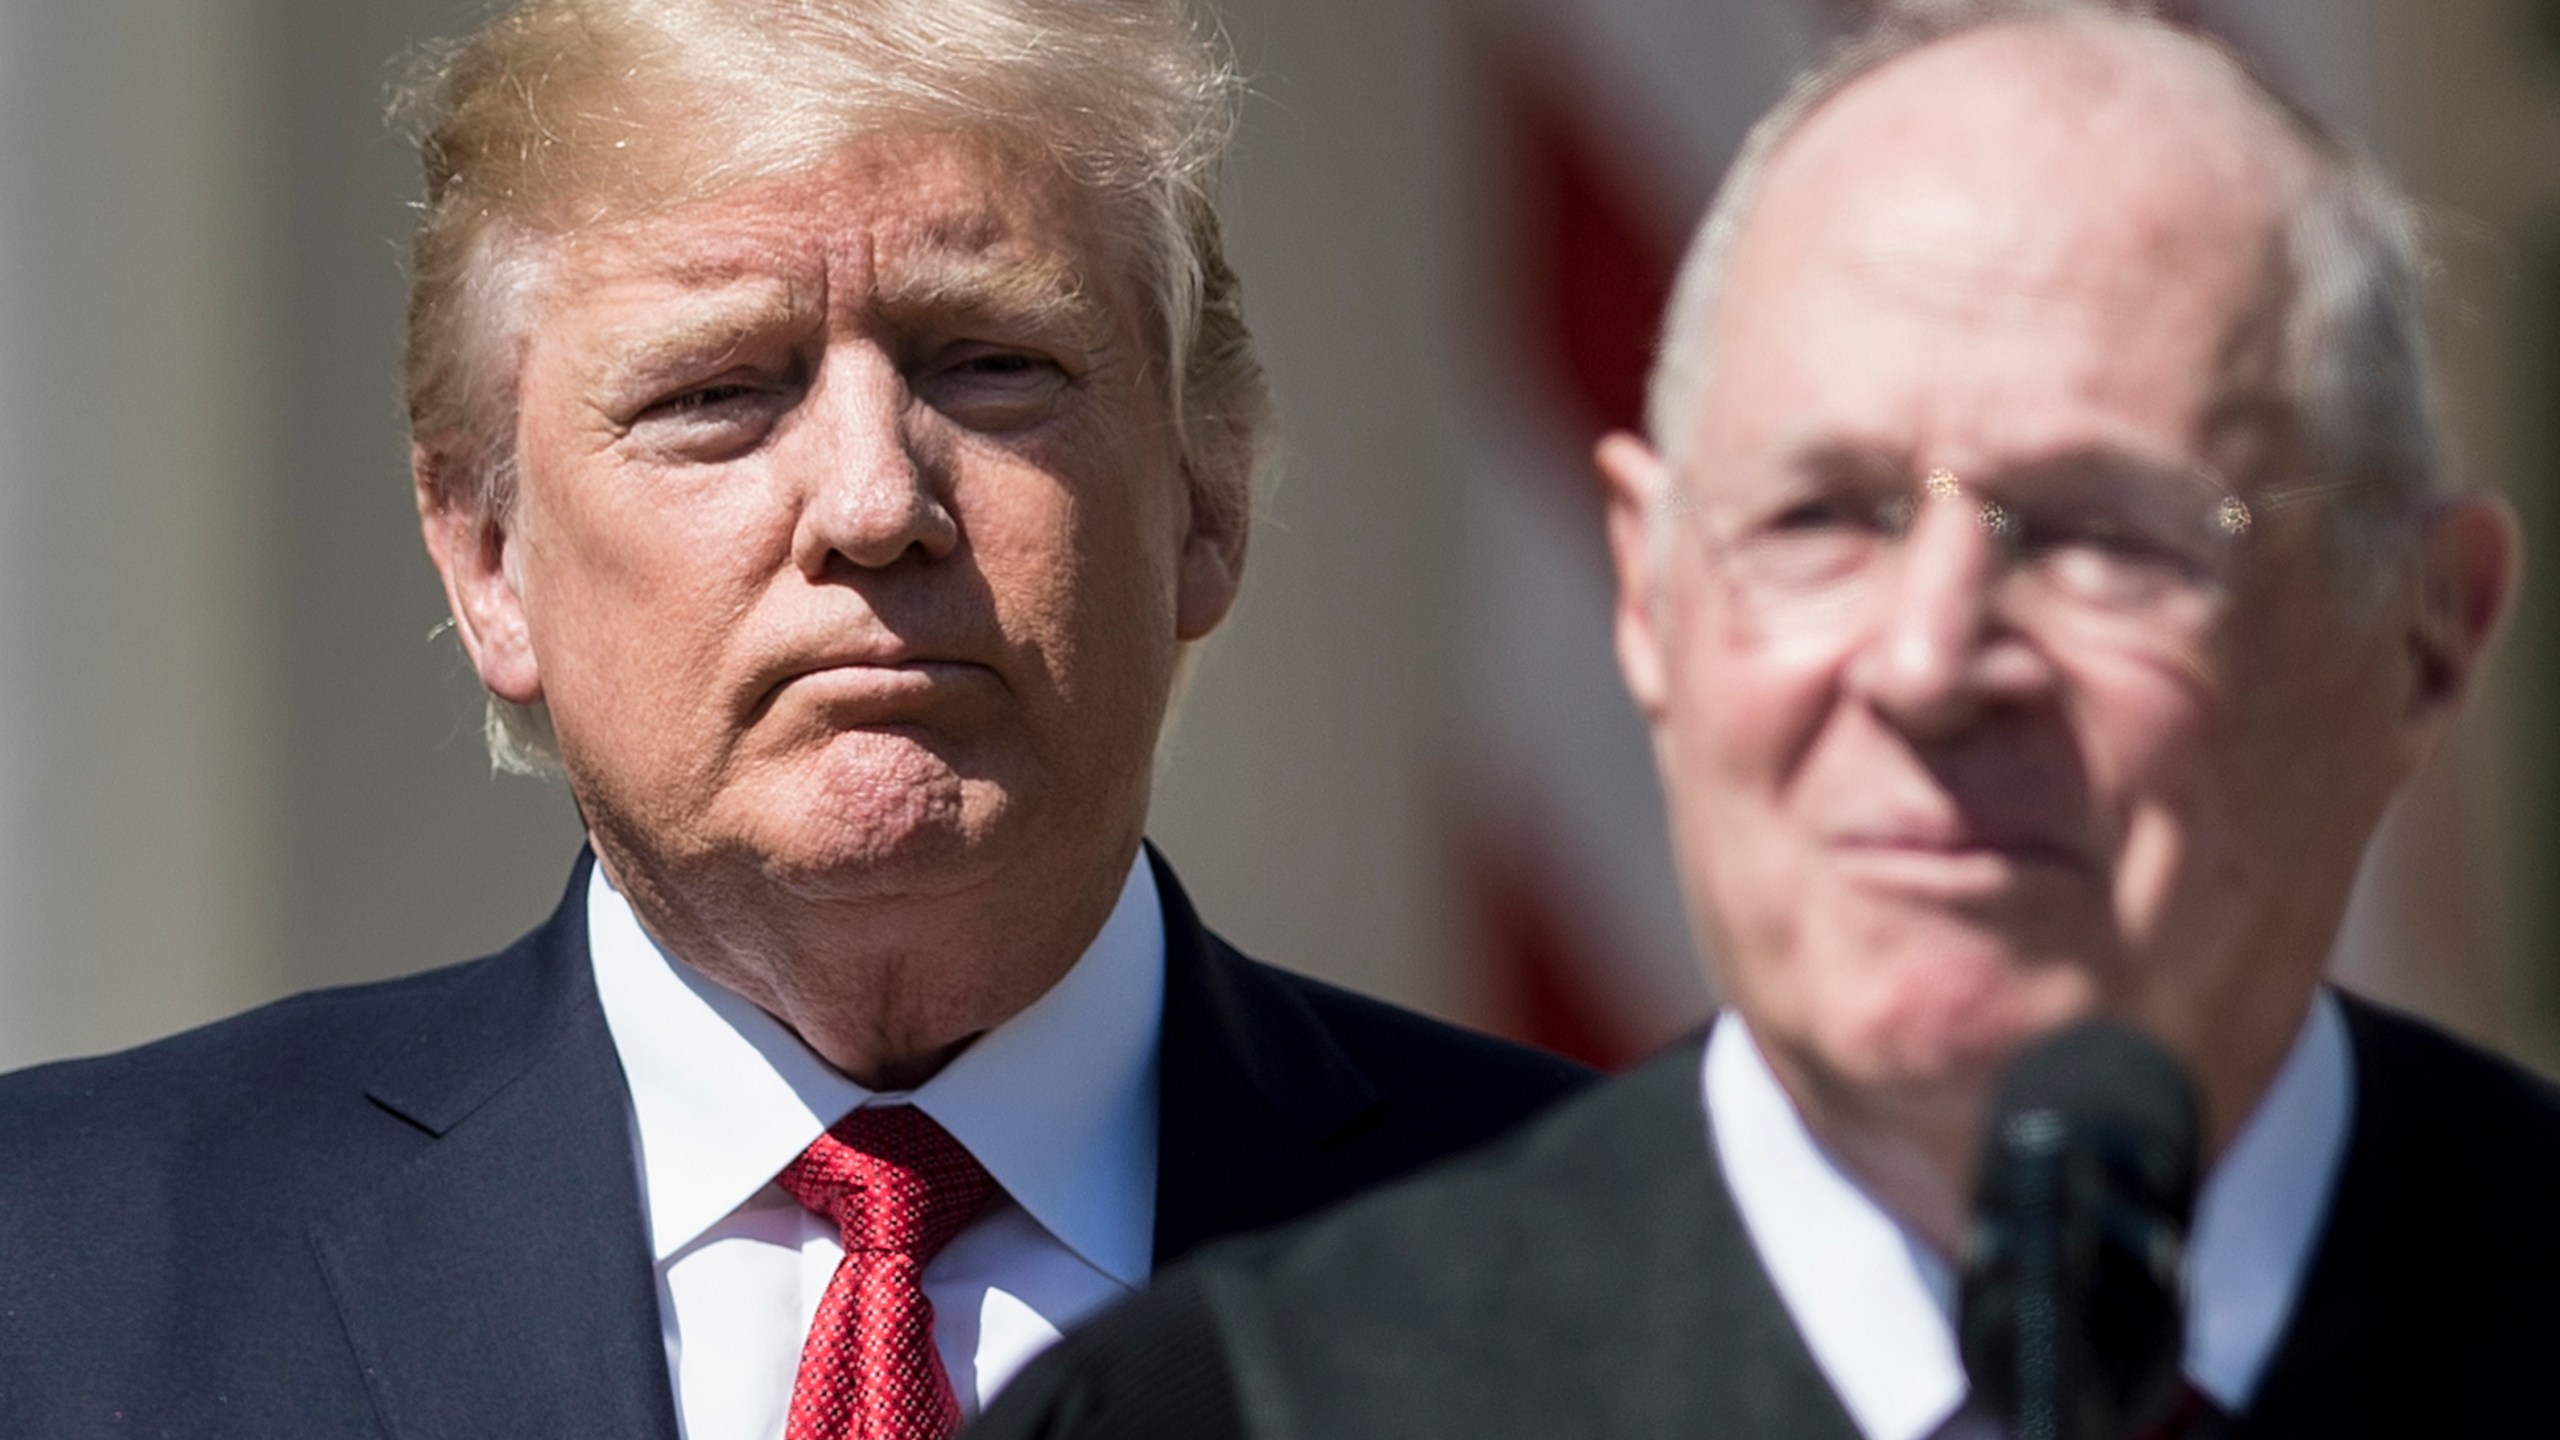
(1281, 1095)
(1566, 1279)
(2455, 1140)
(224, 1073)
(2427, 1308)
(1585, 1275)
(1617, 1149)
(250, 1076)
(165, 1221)
(2481, 1103)
(1372, 1308)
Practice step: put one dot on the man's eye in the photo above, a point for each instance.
(1004, 364)
(702, 398)
(2098, 534)
(996, 390)
(1828, 513)
(713, 422)
(1005, 369)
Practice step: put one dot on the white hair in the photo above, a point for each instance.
(2354, 370)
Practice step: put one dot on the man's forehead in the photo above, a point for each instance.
(909, 219)
(928, 273)
(2081, 83)
(2004, 217)
(2031, 150)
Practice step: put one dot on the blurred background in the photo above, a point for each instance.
(234, 763)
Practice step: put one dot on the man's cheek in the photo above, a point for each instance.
(1767, 722)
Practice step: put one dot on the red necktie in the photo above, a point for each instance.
(898, 1187)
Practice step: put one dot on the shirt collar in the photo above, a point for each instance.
(1871, 1300)
(1876, 1305)
(2259, 1216)
(1059, 1102)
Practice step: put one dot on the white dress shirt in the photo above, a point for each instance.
(1058, 1103)
(1876, 1305)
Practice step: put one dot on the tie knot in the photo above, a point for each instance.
(891, 1179)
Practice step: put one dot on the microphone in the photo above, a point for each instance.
(2072, 1313)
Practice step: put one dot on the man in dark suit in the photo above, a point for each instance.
(2039, 583)
(832, 421)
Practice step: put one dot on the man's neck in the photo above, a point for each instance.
(1876, 1302)
(888, 990)
(1912, 1152)
(1914, 1148)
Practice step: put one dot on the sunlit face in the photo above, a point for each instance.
(853, 548)
(2081, 736)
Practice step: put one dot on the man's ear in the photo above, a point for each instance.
(469, 548)
(1637, 485)
(2469, 557)
(1212, 564)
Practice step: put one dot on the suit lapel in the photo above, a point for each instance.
(1701, 1318)
(1252, 1088)
(1589, 1276)
(2342, 1365)
(499, 1283)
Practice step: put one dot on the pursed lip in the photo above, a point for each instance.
(887, 677)
(1951, 853)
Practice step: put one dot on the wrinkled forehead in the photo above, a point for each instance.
(2022, 226)
(935, 197)
(952, 222)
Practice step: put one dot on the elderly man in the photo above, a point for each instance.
(2039, 585)
(832, 421)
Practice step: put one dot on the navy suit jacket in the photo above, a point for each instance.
(1592, 1278)
(411, 1210)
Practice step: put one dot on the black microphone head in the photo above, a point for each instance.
(2072, 1318)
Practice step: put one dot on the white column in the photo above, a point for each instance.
(135, 879)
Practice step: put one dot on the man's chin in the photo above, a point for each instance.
(1956, 1024)
(887, 858)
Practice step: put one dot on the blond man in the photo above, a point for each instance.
(832, 422)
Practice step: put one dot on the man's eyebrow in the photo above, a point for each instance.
(1837, 458)
(1832, 457)
(708, 328)
(2106, 468)
(1047, 294)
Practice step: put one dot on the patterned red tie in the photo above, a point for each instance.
(898, 1187)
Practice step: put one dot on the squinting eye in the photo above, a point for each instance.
(1824, 514)
(714, 422)
(1812, 544)
(995, 391)
(706, 398)
(714, 401)
(2098, 535)
(2108, 561)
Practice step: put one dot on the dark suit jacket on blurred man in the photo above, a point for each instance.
(1628, 1299)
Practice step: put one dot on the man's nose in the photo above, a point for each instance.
(1938, 651)
(872, 488)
